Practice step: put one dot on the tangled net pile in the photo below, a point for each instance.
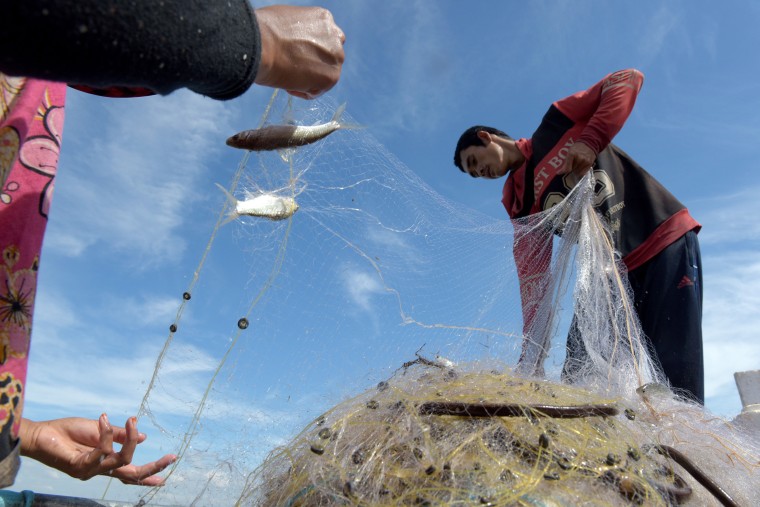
(435, 435)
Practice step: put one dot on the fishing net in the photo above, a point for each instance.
(463, 436)
(364, 352)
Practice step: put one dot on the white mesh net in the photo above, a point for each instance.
(379, 299)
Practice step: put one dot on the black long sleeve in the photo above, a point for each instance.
(211, 47)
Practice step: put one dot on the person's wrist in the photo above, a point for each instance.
(27, 433)
(586, 144)
(266, 49)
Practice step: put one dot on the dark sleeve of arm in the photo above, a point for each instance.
(211, 47)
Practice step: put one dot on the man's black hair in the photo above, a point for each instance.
(470, 138)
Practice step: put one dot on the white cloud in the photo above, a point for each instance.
(660, 27)
(362, 286)
(396, 245)
(387, 239)
(67, 382)
(54, 311)
(185, 359)
(730, 219)
(729, 242)
(410, 79)
(133, 186)
(74, 246)
(145, 311)
(722, 123)
(34, 476)
(730, 320)
(78, 368)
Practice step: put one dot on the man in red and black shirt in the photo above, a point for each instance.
(652, 230)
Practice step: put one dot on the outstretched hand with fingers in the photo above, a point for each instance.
(83, 448)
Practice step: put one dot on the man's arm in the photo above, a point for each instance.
(606, 107)
(213, 47)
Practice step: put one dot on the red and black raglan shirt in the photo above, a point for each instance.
(644, 217)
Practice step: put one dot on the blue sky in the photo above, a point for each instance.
(135, 204)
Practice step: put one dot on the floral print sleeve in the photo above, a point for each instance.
(31, 124)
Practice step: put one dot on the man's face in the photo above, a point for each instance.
(484, 161)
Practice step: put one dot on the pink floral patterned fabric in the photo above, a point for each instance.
(31, 124)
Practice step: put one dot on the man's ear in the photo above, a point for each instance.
(484, 136)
